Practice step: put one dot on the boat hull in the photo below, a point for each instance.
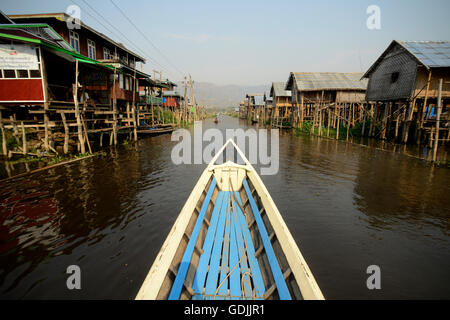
(230, 235)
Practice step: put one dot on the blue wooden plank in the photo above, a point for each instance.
(223, 281)
(235, 276)
(283, 291)
(253, 262)
(241, 242)
(186, 260)
(200, 275)
(213, 273)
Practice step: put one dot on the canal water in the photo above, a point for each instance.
(347, 206)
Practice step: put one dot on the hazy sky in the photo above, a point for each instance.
(255, 42)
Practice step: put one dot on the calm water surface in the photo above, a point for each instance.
(347, 207)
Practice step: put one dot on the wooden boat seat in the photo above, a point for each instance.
(228, 268)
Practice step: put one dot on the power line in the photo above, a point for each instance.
(124, 37)
(146, 38)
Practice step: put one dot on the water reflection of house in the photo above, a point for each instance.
(404, 83)
(392, 190)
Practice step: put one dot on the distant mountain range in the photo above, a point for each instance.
(221, 96)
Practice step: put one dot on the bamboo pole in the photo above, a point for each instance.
(438, 117)
(364, 121)
(113, 137)
(302, 109)
(383, 131)
(338, 116)
(4, 146)
(374, 120)
(86, 134)
(328, 121)
(347, 112)
(135, 111)
(46, 100)
(397, 120)
(151, 105)
(24, 139)
(66, 133)
(422, 114)
(77, 112)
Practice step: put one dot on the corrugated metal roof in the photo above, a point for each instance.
(278, 90)
(313, 81)
(259, 100)
(171, 94)
(432, 54)
(41, 31)
(64, 17)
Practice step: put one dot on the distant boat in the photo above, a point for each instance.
(229, 242)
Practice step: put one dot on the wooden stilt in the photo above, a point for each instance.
(4, 146)
(397, 120)
(66, 133)
(420, 121)
(438, 116)
(347, 112)
(46, 121)
(86, 134)
(383, 131)
(135, 110)
(373, 124)
(338, 116)
(24, 140)
(113, 135)
(364, 121)
(77, 110)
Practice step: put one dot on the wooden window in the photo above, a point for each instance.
(132, 63)
(10, 74)
(121, 81)
(22, 73)
(74, 40)
(35, 73)
(107, 54)
(394, 76)
(91, 49)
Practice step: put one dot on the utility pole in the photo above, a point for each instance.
(194, 104)
(185, 99)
